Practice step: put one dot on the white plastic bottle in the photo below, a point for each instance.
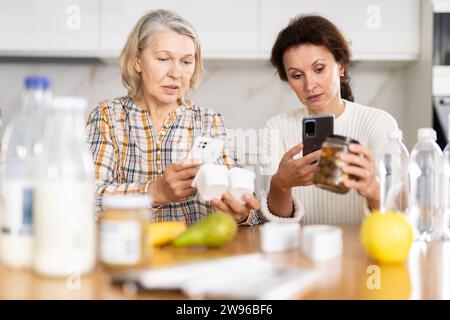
(21, 149)
(393, 174)
(446, 191)
(425, 202)
(64, 228)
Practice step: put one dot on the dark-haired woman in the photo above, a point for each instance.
(313, 57)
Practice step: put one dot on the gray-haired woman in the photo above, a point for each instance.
(136, 140)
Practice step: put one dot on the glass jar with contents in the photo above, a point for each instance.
(123, 231)
(330, 175)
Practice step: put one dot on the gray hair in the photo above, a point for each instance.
(148, 26)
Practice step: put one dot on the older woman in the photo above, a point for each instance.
(138, 141)
(313, 57)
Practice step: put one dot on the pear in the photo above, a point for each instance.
(214, 230)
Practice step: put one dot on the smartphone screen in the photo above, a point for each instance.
(315, 130)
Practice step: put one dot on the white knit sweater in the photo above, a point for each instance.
(313, 205)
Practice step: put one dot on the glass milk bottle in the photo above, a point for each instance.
(393, 174)
(21, 149)
(65, 236)
(425, 169)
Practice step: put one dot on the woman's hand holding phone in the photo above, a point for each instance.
(296, 172)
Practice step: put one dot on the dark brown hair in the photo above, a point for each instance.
(315, 30)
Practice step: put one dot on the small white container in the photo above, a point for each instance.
(241, 181)
(211, 181)
(279, 236)
(321, 242)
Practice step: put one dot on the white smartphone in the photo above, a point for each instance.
(206, 149)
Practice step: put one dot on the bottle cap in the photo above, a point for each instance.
(69, 103)
(133, 201)
(448, 130)
(395, 134)
(37, 82)
(425, 133)
(46, 83)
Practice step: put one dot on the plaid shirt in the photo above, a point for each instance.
(128, 154)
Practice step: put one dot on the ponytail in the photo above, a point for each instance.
(346, 90)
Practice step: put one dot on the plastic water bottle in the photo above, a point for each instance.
(425, 168)
(64, 224)
(21, 149)
(446, 191)
(393, 174)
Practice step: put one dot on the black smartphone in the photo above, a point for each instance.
(315, 130)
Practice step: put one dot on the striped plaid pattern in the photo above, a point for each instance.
(128, 154)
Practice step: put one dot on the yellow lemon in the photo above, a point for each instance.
(387, 237)
(161, 233)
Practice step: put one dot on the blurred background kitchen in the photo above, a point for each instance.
(401, 53)
(401, 56)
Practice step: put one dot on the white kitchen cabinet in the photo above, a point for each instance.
(49, 28)
(227, 29)
(377, 29)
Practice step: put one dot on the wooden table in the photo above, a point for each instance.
(426, 275)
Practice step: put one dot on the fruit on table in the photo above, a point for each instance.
(161, 233)
(214, 230)
(387, 237)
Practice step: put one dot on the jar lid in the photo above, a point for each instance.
(132, 201)
(342, 138)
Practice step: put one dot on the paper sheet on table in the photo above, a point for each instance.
(241, 277)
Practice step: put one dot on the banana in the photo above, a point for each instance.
(161, 233)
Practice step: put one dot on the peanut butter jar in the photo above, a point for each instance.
(122, 224)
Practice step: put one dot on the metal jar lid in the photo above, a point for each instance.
(132, 201)
(343, 139)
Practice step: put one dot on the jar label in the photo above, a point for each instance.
(120, 242)
(17, 207)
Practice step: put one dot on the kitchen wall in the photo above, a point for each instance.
(246, 92)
